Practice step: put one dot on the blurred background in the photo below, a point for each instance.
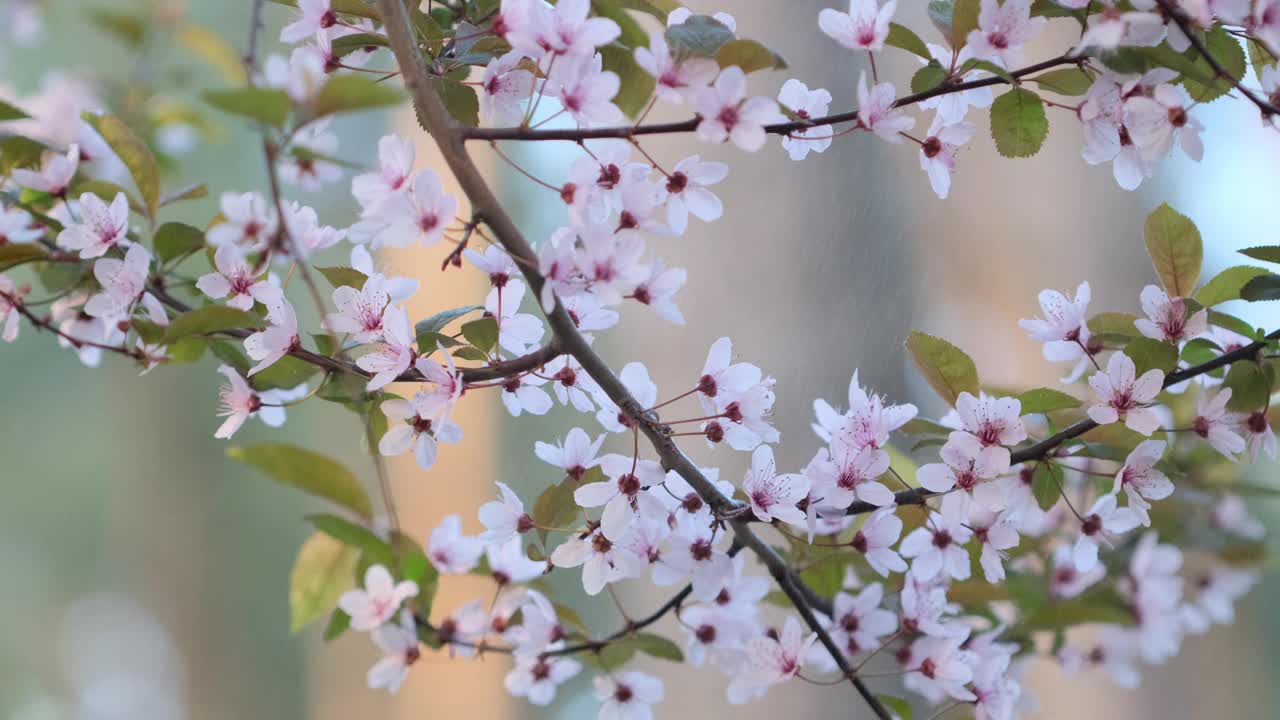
(145, 575)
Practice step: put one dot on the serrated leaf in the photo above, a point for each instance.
(437, 322)
(1019, 125)
(482, 333)
(11, 112)
(555, 506)
(343, 276)
(460, 100)
(174, 239)
(1265, 253)
(1230, 322)
(1250, 387)
(1113, 324)
(308, 471)
(904, 38)
(210, 319)
(267, 105)
(1176, 251)
(748, 55)
(948, 370)
(1070, 82)
(1043, 400)
(928, 77)
(636, 85)
(1227, 285)
(698, 36)
(1199, 350)
(1261, 288)
(964, 19)
(1046, 485)
(657, 646)
(1148, 354)
(1226, 49)
(134, 153)
(350, 93)
(347, 44)
(321, 573)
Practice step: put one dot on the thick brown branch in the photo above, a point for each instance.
(433, 116)
(685, 126)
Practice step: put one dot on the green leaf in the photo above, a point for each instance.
(899, 706)
(748, 55)
(1259, 57)
(904, 38)
(1261, 288)
(1227, 285)
(174, 239)
(436, 323)
(964, 19)
(321, 573)
(343, 277)
(19, 152)
(1095, 606)
(128, 28)
(347, 44)
(187, 350)
(1231, 322)
(555, 507)
(360, 8)
(210, 47)
(461, 101)
(308, 471)
(349, 93)
(1046, 485)
(106, 191)
(357, 537)
(946, 367)
(1019, 125)
(266, 105)
(657, 646)
(1200, 350)
(1173, 242)
(339, 622)
(636, 85)
(15, 254)
(134, 153)
(284, 374)
(210, 319)
(481, 333)
(928, 77)
(1071, 82)
(1265, 253)
(10, 112)
(988, 67)
(1148, 354)
(826, 576)
(470, 353)
(1250, 387)
(1226, 49)
(190, 192)
(1042, 400)
(632, 35)
(920, 426)
(698, 36)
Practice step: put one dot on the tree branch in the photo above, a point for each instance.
(1040, 450)
(690, 125)
(451, 141)
(1185, 24)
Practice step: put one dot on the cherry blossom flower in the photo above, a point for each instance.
(17, 227)
(234, 277)
(805, 104)
(237, 402)
(876, 538)
(394, 354)
(1215, 424)
(564, 30)
(1064, 330)
(1141, 480)
(715, 633)
(1125, 397)
(877, 113)
(864, 27)
(504, 518)
(1067, 582)
(122, 281)
(1167, 318)
(611, 262)
(464, 628)
(938, 152)
(952, 107)
(1003, 28)
(447, 384)
(278, 339)
(571, 384)
(603, 561)
(747, 417)
(676, 80)
(1231, 514)
(939, 546)
(506, 88)
(536, 677)
(306, 164)
(771, 661)
(9, 315)
(395, 164)
(965, 465)
(940, 663)
(521, 394)
(585, 90)
(315, 16)
(620, 493)
(419, 215)
(303, 73)
(994, 421)
(101, 227)
(399, 644)
(576, 455)
(692, 552)
(508, 563)
(995, 533)
(852, 474)
(687, 192)
(1217, 591)
(360, 311)
(772, 495)
(635, 377)
(248, 221)
(728, 114)
(427, 426)
(54, 175)
(378, 601)
(659, 289)
(723, 378)
(868, 421)
(1156, 123)
(628, 695)
(451, 552)
(1259, 436)
(1103, 519)
(495, 263)
(860, 622)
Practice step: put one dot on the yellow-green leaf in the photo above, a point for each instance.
(267, 105)
(210, 319)
(1173, 242)
(946, 367)
(1227, 284)
(1019, 125)
(308, 471)
(347, 93)
(321, 573)
(134, 153)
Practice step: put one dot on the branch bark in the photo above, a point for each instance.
(451, 141)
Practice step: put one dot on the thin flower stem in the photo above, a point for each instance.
(521, 170)
(668, 402)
